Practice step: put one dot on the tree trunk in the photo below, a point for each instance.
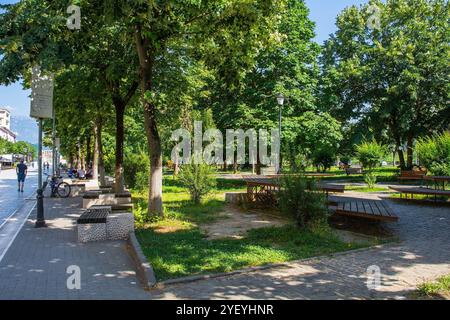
(258, 165)
(118, 171)
(156, 169)
(146, 60)
(235, 165)
(410, 151)
(95, 158)
(88, 150)
(176, 167)
(98, 168)
(79, 165)
(101, 164)
(401, 156)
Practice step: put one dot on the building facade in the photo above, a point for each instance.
(5, 126)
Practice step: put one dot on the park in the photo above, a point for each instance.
(216, 150)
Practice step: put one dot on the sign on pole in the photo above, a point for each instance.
(41, 94)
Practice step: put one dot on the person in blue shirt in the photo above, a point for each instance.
(21, 171)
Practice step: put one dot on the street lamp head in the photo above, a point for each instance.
(280, 99)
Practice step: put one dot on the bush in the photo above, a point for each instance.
(434, 153)
(198, 179)
(323, 159)
(300, 198)
(136, 170)
(346, 159)
(370, 179)
(370, 154)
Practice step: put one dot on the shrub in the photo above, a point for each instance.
(370, 153)
(300, 198)
(136, 170)
(370, 179)
(434, 153)
(323, 159)
(346, 159)
(198, 179)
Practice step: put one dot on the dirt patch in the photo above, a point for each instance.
(171, 227)
(236, 222)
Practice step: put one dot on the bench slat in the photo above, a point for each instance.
(93, 216)
(374, 210)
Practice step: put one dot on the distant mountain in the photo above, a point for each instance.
(25, 127)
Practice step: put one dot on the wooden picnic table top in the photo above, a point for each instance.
(370, 209)
(437, 178)
(420, 190)
(275, 182)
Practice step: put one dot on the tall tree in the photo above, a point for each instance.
(394, 75)
(225, 34)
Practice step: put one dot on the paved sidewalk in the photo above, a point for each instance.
(10, 199)
(35, 265)
(424, 253)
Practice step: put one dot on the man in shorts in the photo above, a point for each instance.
(21, 171)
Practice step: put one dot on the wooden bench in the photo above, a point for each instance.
(331, 188)
(411, 175)
(420, 191)
(368, 209)
(356, 170)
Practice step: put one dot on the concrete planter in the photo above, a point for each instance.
(91, 232)
(105, 199)
(119, 225)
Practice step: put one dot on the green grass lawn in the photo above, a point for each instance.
(176, 247)
(187, 252)
(365, 189)
(385, 174)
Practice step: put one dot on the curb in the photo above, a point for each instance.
(189, 279)
(144, 270)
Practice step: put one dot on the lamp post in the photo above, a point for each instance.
(40, 220)
(280, 100)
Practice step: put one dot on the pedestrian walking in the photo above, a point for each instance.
(22, 171)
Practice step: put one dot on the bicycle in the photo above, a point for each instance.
(58, 188)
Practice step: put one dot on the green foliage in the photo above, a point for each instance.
(346, 159)
(434, 153)
(136, 170)
(323, 158)
(440, 286)
(316, 136)
(370, 178)
(19, 147)
(370, 153)
(198, 179)
(300, 198)
(392, 80)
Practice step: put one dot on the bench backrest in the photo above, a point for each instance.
(409, 173)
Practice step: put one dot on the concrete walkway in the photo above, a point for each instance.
(35, 265)
(422, 254)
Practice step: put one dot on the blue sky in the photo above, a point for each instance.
(323, 12)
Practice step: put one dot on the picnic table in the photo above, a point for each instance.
(367, 209)
(264, 189)
(437, 180)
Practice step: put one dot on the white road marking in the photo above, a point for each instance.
(7, 218)
(16, 233)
